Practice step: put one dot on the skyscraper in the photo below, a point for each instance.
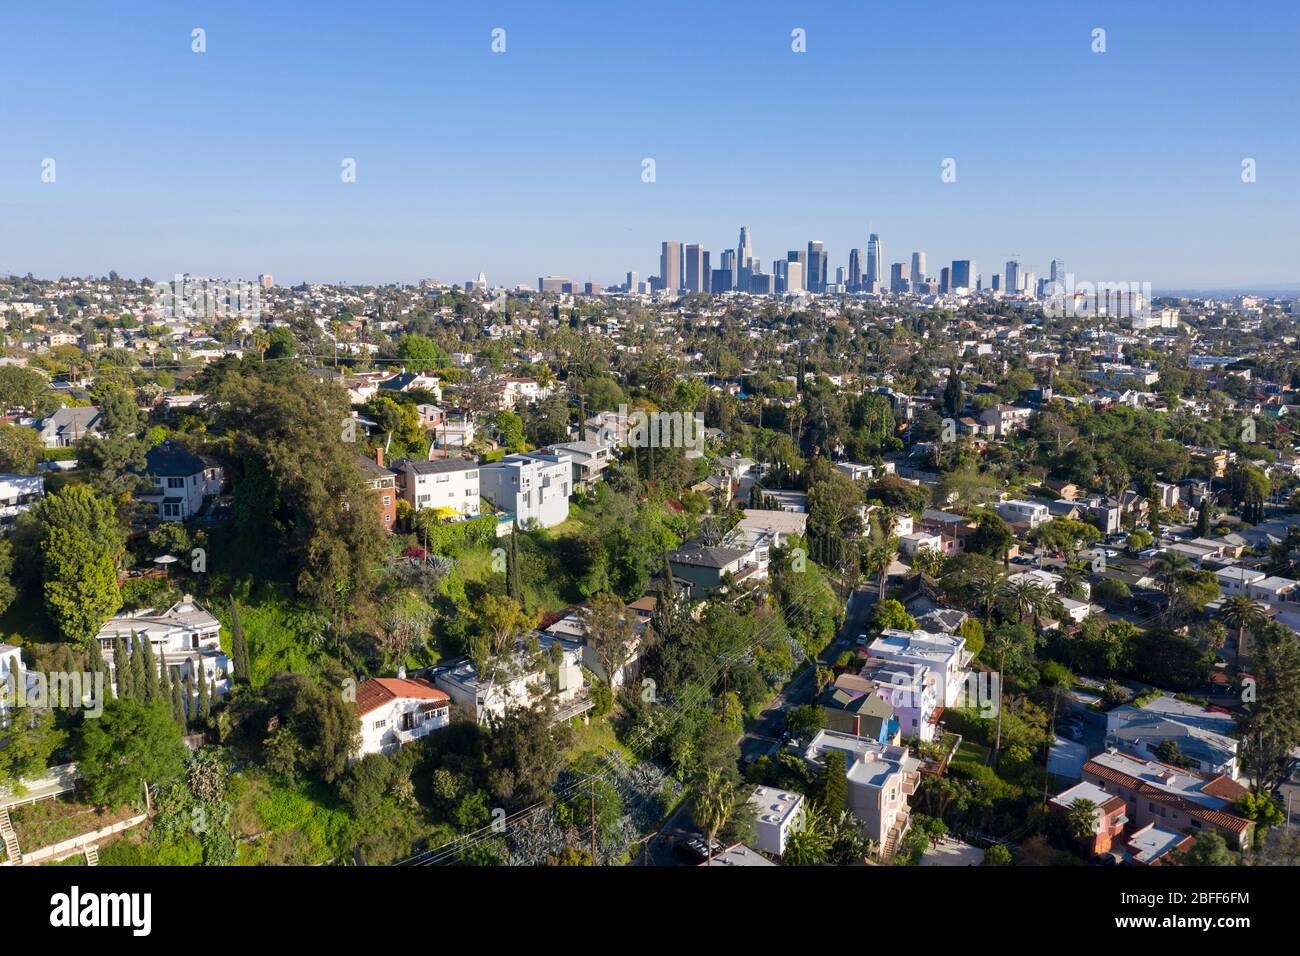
(855, 270)
(1056, 283)
(945, 280)
(694, 258)
(918, 268)
(670, 268)
(875, 263)
(817, 267)
(729, 264)
(963, 274)
(744, 251)
(1014, 280)
(633, 280)
(897, 278)
(794, 279)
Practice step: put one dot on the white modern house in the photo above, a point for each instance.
(944, 654)
(186, 634)
(518, 683)
(534, 487)
(396, 710)
(451, 483)
(1018, 511)
(19, 493)
(777, 814)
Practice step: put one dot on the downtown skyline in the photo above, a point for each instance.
(228, 162)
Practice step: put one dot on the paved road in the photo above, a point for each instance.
(763, 735)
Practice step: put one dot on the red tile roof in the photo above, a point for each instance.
(373, 694)
(1219, 818)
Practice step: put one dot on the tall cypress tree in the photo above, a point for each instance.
(205, 703)
(514, 578)
(152, 688)
(191, 699)
(139, 679)
(178, 705)
(121, 667)
(95, 660)
(1203, 518)
(238, 646)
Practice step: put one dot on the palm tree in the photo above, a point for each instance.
(1168, 567)
(809, 845)
(715, 799)
(1082, 819)
(878, 558)
(985, 589)
(1026, 598)
(1007, 647)
(1241, 612)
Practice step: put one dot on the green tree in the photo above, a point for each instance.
(832, 785)
(238, 646)
(131, 744)
(81, 541)
(714, 801)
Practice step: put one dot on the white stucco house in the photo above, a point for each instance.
(533, 487)
(396, 710)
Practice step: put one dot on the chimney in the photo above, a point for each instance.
(379, 455)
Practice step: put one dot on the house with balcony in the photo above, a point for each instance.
(1205, 738)
(186, 635)
(451, 484)
(18, 494)
(1110, 815)
(533, 487)
(183, 482)
(397, 710)
(707, 569)
(944, 654)
(553, 675)
(589, 458)
(880, 779)
(1170, 797)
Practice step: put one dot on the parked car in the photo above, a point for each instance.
(695, 849)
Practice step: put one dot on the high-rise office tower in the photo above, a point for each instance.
(633, 280)
(693, 256)
(855, 270)
(794, 277)
(706, 273)
(996, 282)
(817, 267)
(721, 280)
(1056, 280)
(962, 275)
(744, 251)
(918, 268)
(729, 263)
(670, 266)
(875, 263)
(898, 277)
(1014, 280)
(945, 280)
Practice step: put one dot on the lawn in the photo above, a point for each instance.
(970, 754)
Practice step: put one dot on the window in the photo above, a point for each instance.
(380, 724)
(388, 500)
(175, 482)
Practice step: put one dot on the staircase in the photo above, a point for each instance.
(10, 837)
(92, 855)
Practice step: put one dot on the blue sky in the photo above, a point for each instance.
(1127, 164)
